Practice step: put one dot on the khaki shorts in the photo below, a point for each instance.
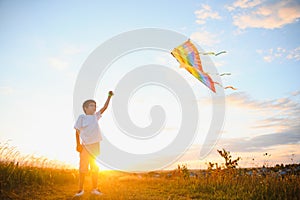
(88, 158)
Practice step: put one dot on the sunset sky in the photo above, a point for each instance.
(43, 45)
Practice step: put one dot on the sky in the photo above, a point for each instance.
(45, 43)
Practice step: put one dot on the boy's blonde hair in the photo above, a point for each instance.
(87, 103)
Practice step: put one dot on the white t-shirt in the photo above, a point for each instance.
(89, 128)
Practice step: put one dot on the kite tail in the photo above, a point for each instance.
(225, 74)
(220, 53)
(212, 53)
(230, 87)
(218, 84)
(227, 87)
(208, 53)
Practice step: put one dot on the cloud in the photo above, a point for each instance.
(296, 93)
(258, 14)
(277, 115)
(263, 125)
(58, 63)
(242, 99)
(262, 142)
(205, 38)
(6, 90)
(243, 4)
(206, 13)
(72, 50)
(272, 54)
(278, 123)
(294, 54)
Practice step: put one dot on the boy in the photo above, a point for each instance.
(87, 129)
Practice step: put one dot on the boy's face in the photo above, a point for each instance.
(90, 109)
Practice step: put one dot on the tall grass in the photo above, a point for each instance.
(19, 170)
(236, 184)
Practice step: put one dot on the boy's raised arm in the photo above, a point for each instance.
(110, 94)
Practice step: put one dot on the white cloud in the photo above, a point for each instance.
(268, 58)
(294, 54)
(296, 93)
(243, 100)
(58, 63)
(261, 142)
(238, 32)
(259, 51)
(205, 38)
(72, 50)
(205, 13)
(272, 54)
(260, 117)
(257, 14)
(243, 4)
(262, 125)
(6, 90)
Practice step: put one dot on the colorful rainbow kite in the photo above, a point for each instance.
(202, 76)
(188, 57)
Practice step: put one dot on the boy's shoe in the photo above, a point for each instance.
(79, 193)
(96, 192)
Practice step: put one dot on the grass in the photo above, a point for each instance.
(39, 181)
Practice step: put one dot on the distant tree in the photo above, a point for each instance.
(212, 166)
(229, 163)
(183, 171)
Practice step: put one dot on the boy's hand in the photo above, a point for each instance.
(110, 93)
(79, 148)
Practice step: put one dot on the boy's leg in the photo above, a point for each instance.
(94, 152)
(81, 181)
(83, 166)
(95, 170)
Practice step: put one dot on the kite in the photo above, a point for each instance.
(202, 76)
(188, 57)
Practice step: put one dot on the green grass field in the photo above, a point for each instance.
(29, 183)
(32, 181)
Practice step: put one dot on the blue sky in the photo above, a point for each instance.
(44, 44)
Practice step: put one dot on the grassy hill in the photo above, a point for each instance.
(39, 181)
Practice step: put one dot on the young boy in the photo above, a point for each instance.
(88, 131)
